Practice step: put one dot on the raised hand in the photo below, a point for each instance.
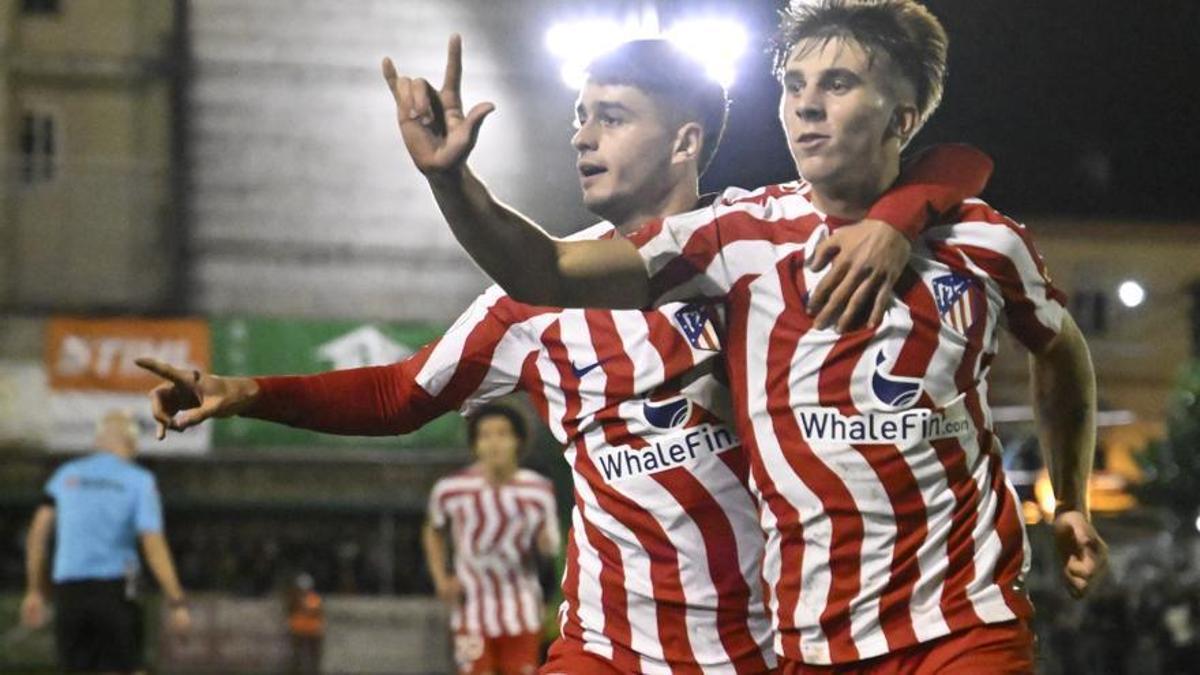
(438, 135)
(189, 397)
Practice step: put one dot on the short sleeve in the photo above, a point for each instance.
(1033, 307)
(53, 485)
(550, 526)
(436, 509)
(481, 356)
(148, 517)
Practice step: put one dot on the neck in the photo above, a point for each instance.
(680, 198)
(122, 451)
(852, 198)
(499, 474)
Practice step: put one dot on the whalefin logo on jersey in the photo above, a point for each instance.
(956, 303)
(698, 327)
(668, 414)
(894, 391)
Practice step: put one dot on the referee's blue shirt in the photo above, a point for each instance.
(102, 503)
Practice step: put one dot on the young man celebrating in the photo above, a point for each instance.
(498, 516)
(894, 543)
(664, 555)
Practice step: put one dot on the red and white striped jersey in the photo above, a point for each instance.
(494, 530)
(664, 554)
(889, 520)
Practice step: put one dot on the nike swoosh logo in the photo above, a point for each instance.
(580, 372)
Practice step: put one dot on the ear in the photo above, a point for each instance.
(689, 141)
(904, 122)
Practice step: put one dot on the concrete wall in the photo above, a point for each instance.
(305, 201)
(93, 235)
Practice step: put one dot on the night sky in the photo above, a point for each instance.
(1089, 108)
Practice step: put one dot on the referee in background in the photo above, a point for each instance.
(102, 504)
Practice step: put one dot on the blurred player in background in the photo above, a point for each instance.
(498, 518)
(664, 556)
(99, 508)
(894, 542)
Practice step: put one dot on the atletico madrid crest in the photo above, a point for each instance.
(698, 327)
(958, 301)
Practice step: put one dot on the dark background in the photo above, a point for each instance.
(1089, 108)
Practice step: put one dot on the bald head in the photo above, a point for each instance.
(117, 432)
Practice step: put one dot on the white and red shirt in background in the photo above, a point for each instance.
(494, 529)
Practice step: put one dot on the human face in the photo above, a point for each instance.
(844, 122)
(625, 143)
(497, 444)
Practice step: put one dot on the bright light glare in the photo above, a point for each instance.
(716, 43)
(1131, 293)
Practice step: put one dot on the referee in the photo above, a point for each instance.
(103, 504)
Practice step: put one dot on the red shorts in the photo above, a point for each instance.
(996, 649)
(569, 658)
(504, 655)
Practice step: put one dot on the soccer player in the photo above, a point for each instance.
(664, 554)
(894, 543)
(99, 507)
(498, 516)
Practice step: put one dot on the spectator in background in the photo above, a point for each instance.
(102, 504)
(497, 514)
(306, 624)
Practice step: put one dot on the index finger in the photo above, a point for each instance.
(165, 371)
(453, 78)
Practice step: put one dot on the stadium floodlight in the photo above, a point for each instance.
(717, 43)
(576, 43)
(1131, 293)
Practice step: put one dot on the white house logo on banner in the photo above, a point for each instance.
(366, 346)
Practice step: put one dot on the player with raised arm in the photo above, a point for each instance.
(664, 555)
(894, 542)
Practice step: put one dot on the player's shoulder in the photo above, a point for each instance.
(531, 478)
(986, 235)
(976, 219)
(140, 473)
(465, 478)
(497, 306)
(975, 210)
(64, 469)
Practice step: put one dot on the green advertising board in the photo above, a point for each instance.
(244, 346)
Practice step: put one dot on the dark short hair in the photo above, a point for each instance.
(661, 69)
(905, 30)
(515, 419)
